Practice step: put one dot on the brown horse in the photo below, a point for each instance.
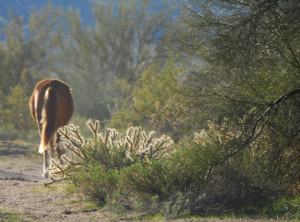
(51, 106)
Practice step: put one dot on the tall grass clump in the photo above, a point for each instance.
(94, 164)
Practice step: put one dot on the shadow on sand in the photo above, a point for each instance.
(8, 148)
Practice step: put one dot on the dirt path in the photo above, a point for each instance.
(22, 191)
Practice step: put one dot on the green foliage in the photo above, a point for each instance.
(8, 133)
(15, 116)
(155, 101)
(17, 109)
(95, 163)
(178, 206)
(147, 179)
(25, 57)
(200, 177)
(96, 181)
(213, 181)
(244, 69)
(287, 208)
(249, 52)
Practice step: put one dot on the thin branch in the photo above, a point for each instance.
(237, 100)
(53, 181)
(255, 133)
(290, 48)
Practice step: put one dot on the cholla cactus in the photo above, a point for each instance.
(135, 144)
(201, 138)
(206, 137)
(217, 134)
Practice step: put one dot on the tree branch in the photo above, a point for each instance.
(254, 132)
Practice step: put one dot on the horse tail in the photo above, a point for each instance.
(49, 114)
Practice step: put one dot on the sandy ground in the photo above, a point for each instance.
(22, 192)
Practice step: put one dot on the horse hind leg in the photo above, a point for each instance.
(59, 154)
(46, 164)
(58, 150)
(48, 159)
(48, 147)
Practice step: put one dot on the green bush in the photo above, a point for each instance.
(286, 208)
(95, 164)
(95, 181)
(147, 179)
(213, 182)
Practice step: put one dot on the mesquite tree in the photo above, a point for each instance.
(249, 51)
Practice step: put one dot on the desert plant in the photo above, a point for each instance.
(286, 208)
(135, 144)
(214, 181)
(147, 179)
(94, 164)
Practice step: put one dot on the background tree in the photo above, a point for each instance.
(93, 59)
(24, 51)
(155, 104)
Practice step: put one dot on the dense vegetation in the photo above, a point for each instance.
(222, 79)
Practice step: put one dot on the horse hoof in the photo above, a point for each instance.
(46, 175)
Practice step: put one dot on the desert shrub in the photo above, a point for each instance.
(212, 180)
(95, 181)
(175, 206)
(95, 163)
(147, 179)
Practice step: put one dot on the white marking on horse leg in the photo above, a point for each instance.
(45, 172)
(46, 164)
(41, 148)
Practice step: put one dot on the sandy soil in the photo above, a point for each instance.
(22, 192)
